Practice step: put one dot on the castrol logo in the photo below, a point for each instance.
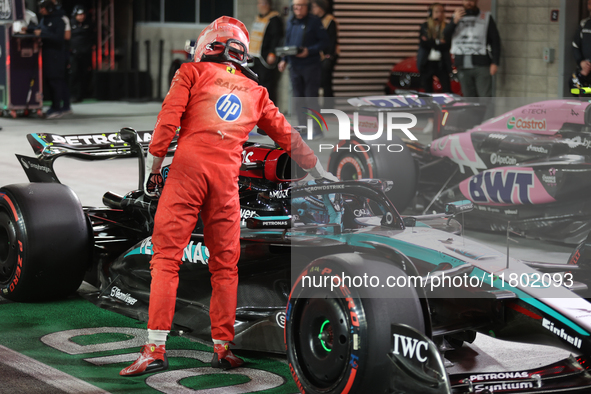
(526, 124)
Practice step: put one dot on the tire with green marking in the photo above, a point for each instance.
(338, 341)
(45, 242)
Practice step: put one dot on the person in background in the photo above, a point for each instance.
(306, 32)
(330, 54)
(472, 32)
(81, 46)
(60, 11)
(266, 34)
(433, 58)
(582, 50)
(31, 20)
(51, 29)
(66, 109)
(215, 120)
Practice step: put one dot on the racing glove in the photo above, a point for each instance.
(154, 182)
(318, 172)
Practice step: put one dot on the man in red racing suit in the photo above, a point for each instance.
(216, 106)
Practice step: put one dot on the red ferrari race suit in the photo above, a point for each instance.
(216, 107)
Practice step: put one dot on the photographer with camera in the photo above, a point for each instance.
(266, 34)
(306, 32)
(472, 32)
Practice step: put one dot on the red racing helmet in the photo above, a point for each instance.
(225, 40)
(215, 37)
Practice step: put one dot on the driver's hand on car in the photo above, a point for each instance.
(154, 182)
(318, 172)
(154, 185)
(329, 177)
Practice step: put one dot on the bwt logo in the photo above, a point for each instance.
(512, 187)
(392, 123)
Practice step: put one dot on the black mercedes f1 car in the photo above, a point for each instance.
(359, 298)
(528, 169)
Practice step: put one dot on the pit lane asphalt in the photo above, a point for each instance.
(90, 180)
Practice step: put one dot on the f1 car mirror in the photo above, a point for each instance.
(451, 209)
(384, 184)
(410, 221)
(457, 207)
(129, 136)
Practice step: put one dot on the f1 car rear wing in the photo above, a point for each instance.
(412, 100)
(452, 113)
(88, 146)
(48, 147)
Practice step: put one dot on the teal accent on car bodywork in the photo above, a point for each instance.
(40, 140)
(414, 251)
(359, 240)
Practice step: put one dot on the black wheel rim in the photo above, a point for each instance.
(323, 344)
(8, 251)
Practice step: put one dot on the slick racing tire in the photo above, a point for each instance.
(45, 242)
(361, 163)
(338, 341)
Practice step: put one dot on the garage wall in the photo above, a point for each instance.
(374, 38)
(526, 29)
(175, 35)
(374, 35)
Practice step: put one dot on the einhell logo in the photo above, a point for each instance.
(526, 124)
(576, 342)
(394, 121)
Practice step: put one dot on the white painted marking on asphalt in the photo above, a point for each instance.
(47, 374)
(168, 382)
(61, 340)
